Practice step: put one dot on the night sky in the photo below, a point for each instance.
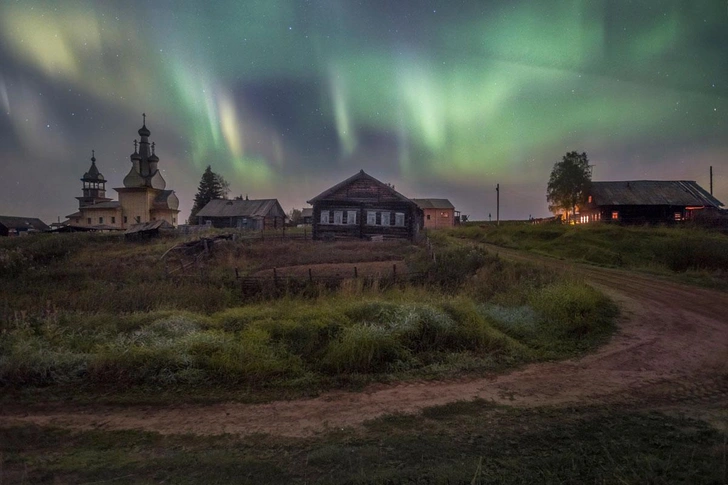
(286, 98)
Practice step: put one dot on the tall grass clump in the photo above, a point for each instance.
(572, 309)
(364, 349)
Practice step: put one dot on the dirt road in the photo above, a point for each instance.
(671, 351)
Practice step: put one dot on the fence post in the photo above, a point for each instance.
(356, 274)
(310, 276)
(237, 274)
(394, 272)
(275, 277)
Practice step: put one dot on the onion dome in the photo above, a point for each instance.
(144, 131)
(135, 155)
(153, 157)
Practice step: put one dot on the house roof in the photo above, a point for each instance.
(307, 212)
(113, 204)
(433, 203)
(652, 192)
(238, 208)
(23, 223)
(360, 175)
(149, 226)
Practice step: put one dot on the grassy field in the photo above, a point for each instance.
(88, 315)
(690, 254)
(464, 442)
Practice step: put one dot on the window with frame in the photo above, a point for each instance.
(124, 219)
(371, 218)
(88, 220)
(324, 217)
(678, 216)
(350, 217)
(338, 217)
(399, 219)
(101, 220)
(385, 219)
(113, 220)
(615, 215)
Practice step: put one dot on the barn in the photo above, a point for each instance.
(254, 215)
(363, 207)
(646, 201)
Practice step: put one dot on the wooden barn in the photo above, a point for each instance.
(646, 201)
(437, 212)
(17, 226)
(254, 215)
(363, 207)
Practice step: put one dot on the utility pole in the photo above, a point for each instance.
(711, 180)
(497, 204)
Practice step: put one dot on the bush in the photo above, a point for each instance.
(573, 309)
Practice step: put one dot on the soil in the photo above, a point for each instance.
(670, 353)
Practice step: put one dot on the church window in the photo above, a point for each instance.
(88, 220)
(101, 220)
(124, 219)
(113, 220)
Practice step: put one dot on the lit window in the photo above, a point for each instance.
(615, 215)
(590, 199)
(678, 216)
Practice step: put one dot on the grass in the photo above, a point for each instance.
(127, 329)
(690, 254)
(463, 442)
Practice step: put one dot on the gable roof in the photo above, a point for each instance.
(307, 212)
(238, 208)
(652, 192)
(358, 176)
(23, 223)
(433, 203)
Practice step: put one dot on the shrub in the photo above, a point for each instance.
(571, 308)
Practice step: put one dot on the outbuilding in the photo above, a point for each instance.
(17, 226)
(255, 215)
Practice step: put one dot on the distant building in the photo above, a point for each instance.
(362, 206)
(243, 214)
(646, 201)
(143, 198)
(307, 216)
(19, 226)
(437, 213)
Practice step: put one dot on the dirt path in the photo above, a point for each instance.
(671, 351)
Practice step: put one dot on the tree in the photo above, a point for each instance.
(294, 217)
(569, 183)
(212, 186)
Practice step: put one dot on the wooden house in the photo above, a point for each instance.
(255, 215)
(437, 212)
(363, 207)
(17, 226)
(646, 201)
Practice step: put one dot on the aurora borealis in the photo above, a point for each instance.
(285, 98)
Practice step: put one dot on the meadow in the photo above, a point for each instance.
(84, 315)
(689, 254)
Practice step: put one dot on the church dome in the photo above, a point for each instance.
(144, 131)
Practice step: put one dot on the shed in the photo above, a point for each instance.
(437, 212)
(363, 207)
(646, 201)
(257, 214)
(16, 226)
